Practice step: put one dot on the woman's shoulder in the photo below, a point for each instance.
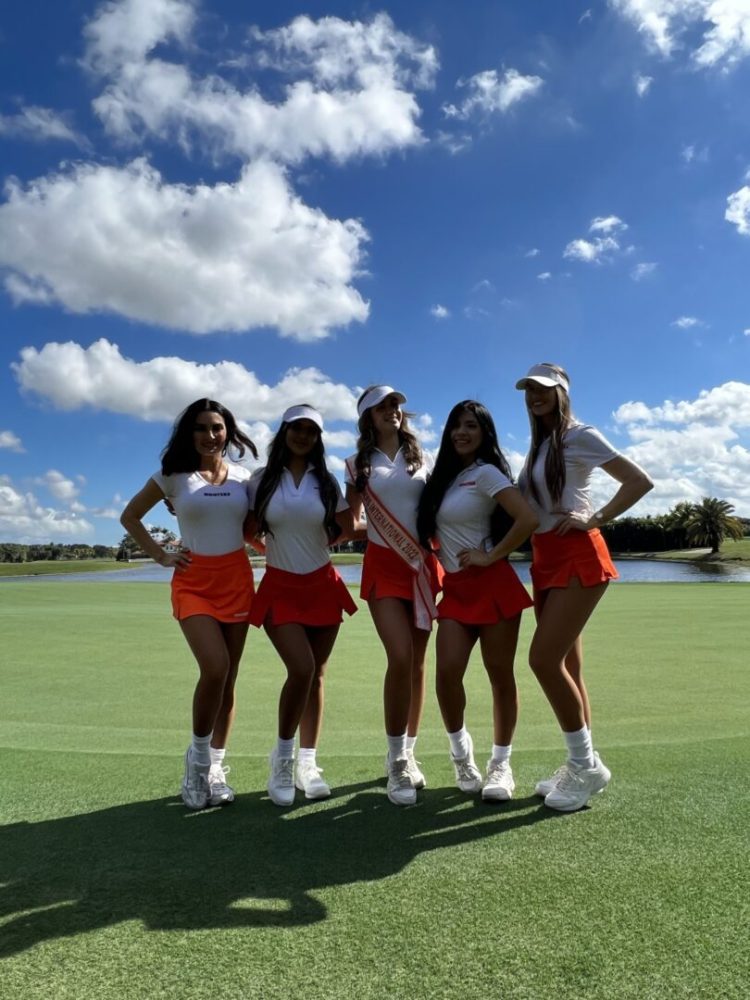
(239, 473)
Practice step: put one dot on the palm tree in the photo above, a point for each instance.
(711, 521)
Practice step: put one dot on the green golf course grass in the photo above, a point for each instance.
(110, 888)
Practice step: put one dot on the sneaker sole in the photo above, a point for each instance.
(223, 801)
(398, 802)
(308, 795)
(280, 802)
(500, 795)
(574, 807)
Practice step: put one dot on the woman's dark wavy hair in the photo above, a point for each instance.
(448, 465)
(368, 442)
(278, 457)
(554, 463)
(180, 454)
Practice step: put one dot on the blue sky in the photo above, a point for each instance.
(271, 203)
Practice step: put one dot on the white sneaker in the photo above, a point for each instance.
(220, 794)
(195, 791)
(307, 777)
(281, 780)
(499, 784)
(468, 775)
(543, 788)
(400, 787)
(576, 786)
(417, 778)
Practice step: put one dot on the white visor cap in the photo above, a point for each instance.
(543, 375)
(302, 412)
(376, 395)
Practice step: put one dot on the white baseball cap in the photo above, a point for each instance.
(302, 412)
(376, 395)
(544, 375)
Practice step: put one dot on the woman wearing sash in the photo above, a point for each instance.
(478, 517)
(571, 566)
(212, 584)
(298, 507)
(399, 578)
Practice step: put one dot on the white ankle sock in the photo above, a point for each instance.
(285, 749)
(217, 754)
(411, 742)
(580, 750)
(306, 754)
(396, 746)
(500, 753)
(459, 742)
(200, 745)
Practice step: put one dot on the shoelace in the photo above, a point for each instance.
(467, 771)
(217, 774)
(568, 779)
(497, 769)
(309, 772)
(400, 774)
(284, 771)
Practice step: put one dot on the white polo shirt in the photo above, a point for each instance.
(584, 449)
(297, 541)
(395, 488)
(209, 517)
(463, 518)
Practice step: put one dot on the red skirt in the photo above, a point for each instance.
(559, 558)
(483, 595)
(218, 586)
(385, 574)
(316, 598)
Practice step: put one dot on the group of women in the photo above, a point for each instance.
(448, 528)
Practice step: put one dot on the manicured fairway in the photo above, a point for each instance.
(109, 888)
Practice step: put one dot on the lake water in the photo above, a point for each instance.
(630, 570)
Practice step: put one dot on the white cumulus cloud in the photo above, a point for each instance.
(440, 312)
(41, 125)
(738, 210)
(687, 322)
(72, 377)
(643, 85)
(61, 488)
(693, 447)
(670, 25)
(601, 247)
(24, 520)
(10, 441)
(228, 257)
(489, 92)
(643, 270)
(349, 89)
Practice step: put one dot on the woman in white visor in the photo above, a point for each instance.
(298, 509)
(571, 565)
(400, 579)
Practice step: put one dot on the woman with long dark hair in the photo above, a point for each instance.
(212, 586)
(400, 578)
(298, 508)
(472, 508)
(571, 566)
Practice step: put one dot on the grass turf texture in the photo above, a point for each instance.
(109, 888)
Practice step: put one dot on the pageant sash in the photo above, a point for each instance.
(400, 541)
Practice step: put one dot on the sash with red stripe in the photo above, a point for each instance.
(400, 541)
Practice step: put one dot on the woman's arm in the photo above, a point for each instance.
(524, 522)
(132, 521)
(250, 533)
(634, 484)
(356, 506)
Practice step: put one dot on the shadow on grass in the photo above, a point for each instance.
(251, 865)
